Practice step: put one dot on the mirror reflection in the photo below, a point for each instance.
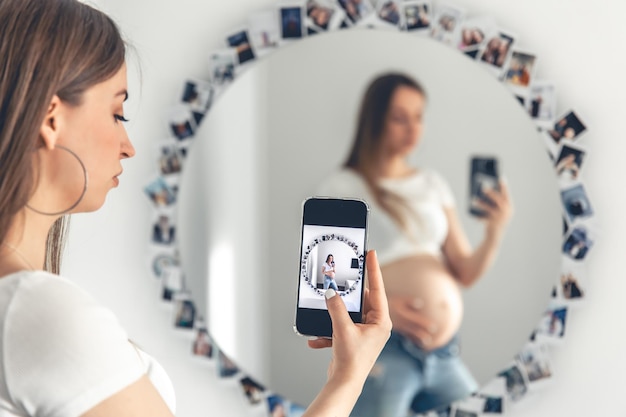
(285, 126)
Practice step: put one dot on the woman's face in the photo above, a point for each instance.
(330, 259)
(403, 123)
(92, 130)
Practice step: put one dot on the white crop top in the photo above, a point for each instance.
(426, 193)
(60, 352)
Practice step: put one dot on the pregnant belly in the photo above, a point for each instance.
(435, 291)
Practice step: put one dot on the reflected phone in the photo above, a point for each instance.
(483, 175)
(332, 255)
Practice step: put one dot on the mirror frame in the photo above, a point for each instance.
(179, 293)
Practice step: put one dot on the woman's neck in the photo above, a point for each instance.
(395, 167)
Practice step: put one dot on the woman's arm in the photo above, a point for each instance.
(355, 346)
(468, 264)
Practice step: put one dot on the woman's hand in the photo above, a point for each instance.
(408, 320)
(498, 211)
(355, 346)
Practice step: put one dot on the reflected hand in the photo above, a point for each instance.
(408, 319)
(356, 346)
(498, 211)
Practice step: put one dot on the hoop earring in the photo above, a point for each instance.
(82, 194)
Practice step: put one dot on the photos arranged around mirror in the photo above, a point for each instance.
(479, 38)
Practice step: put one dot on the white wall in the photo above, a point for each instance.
(580, 45)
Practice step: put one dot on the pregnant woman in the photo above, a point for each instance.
(424, 253)
(328, 270)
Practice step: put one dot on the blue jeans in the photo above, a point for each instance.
(406, 377)
(330, 282)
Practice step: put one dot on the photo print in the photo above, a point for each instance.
(417, 15)
(356, 10)
(569, 161)
(542, 102)
(473, 35)
(516, 384)
(568, 127)
(552, 324)
(202, 344)
(170, 159)
(291, 21)
(172, 282)
(253, 390)
(535, 361)
(521, 69)
(494, 393)
(162, 261)
(446, 24)
(264, 31)
(577, 243)
(240, 41)
(569, 287)
(323, 15)
(198, 95)
(182, 122)
(388, 11)
(496, 51)
(163, 230)
(576, 203)
(469, 407)
(225, 366)
(161, 193)
(222, 66)
(184, 310)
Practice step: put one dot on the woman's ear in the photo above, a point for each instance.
(49, 131)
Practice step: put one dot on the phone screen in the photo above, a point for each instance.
(332, 255)
(483, 176)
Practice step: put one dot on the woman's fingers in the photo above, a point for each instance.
(338, 311)
(320, 343)
(376, 299)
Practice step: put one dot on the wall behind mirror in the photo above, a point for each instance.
(255, 161)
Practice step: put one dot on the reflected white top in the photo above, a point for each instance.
(426, 194)
(60, 352)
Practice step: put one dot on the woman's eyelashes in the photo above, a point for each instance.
(120, 118)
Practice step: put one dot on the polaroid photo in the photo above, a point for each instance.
(225, 366)
(542, 103)
(576, 203)
(172, 282)
(163, 230)
(446, 26)
(468, 407)
(291, 22)
(323, 15)
(222, 64)
(473, 35)
(357, 11)
(264, 31)
(202, 345)
(569, 162)
(567, 127)
(184, 310)
(417, 16)
(534, 359)
(387, 14)
(240, 41)
(496, 50)
(181, 122)
(277, 406)
(170, 160)
(494, 392)
(569, 289)
(516, 382)
(253, 391)
(163, 260)
(552, 147)
(161, 193)
(520, 72)
(577, 243)
(198, 95)
(551, 327)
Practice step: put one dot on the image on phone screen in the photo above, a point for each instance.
(483, 177)
(332, 255)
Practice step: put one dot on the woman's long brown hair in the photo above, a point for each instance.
(47, 48)
(366, 145)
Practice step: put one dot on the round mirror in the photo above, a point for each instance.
(283, 126)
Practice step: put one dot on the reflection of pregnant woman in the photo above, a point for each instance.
(423, 250)
(328, 270)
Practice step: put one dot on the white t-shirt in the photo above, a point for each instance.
(61, 353)
(426, 194)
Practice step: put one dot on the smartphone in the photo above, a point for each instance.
(483, 176)
(332, 255)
